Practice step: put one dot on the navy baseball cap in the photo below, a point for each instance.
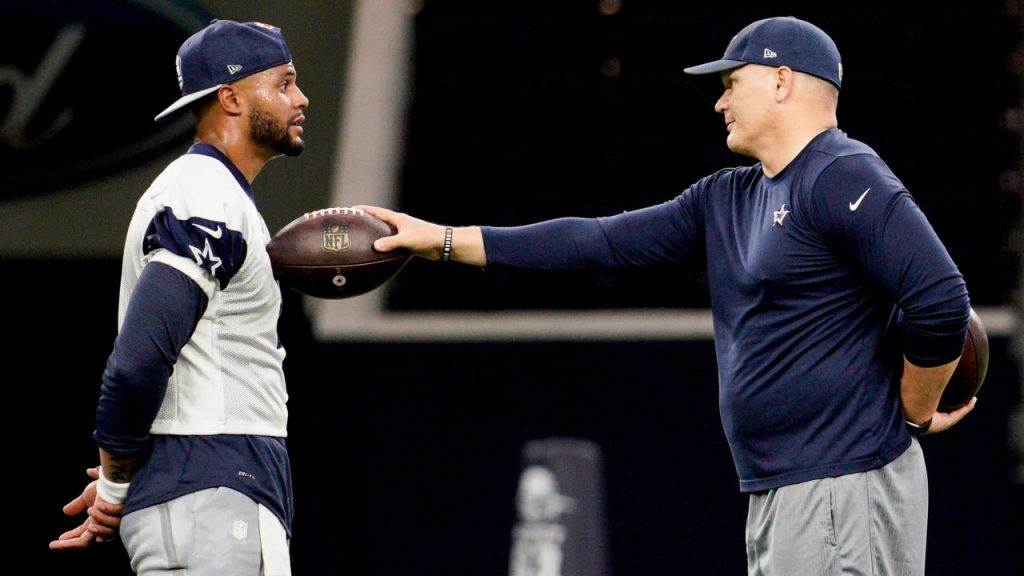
(223, 52)
(781, 41)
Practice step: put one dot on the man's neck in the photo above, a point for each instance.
(788, 144)
(249, 159)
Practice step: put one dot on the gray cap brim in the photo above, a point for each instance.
(185, 101)
(714, 67)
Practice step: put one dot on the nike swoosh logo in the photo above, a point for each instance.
(216, 233)
(855, 205)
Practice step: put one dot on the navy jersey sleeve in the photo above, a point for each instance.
(162, 314)
(865, 210)
(208, 242)
(672, 232)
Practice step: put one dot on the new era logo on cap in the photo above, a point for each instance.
(769, 54)
(233, 68)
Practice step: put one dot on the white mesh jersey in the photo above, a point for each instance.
(198, 216)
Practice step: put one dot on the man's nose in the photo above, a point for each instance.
(723, 102)
(303, 101)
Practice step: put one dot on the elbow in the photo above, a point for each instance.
(934, 335)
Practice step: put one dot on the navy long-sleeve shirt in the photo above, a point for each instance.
(804, 271)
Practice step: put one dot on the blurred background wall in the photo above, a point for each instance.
(406, 443)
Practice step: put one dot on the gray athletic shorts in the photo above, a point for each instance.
(212, 532)
(872, 523)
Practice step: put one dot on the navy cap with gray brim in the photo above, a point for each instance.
(781, 41)
(223, 52)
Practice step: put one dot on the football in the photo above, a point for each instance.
(970, 372)
(329, 254)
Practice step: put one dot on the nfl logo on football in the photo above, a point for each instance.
(336, 237)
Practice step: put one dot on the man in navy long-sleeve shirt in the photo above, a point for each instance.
(808, 254)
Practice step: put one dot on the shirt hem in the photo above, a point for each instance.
(214, 429)
(830, 471)
(156, 501)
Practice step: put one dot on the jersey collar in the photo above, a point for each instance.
(205, 149)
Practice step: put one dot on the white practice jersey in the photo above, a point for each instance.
(199, 217)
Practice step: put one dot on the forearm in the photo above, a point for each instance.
(118, 468)
(921, 388)
(560, 244)
(468, 246)
(547, 245)
(664, 234)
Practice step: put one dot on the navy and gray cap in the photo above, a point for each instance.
(223, 52)
(781, 41)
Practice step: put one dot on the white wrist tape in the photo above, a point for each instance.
(113, 492)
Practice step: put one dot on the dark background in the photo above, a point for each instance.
(406, 456)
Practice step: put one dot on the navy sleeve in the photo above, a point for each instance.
(162, 315)
(210, 244)
(669, 233)
(865, 209)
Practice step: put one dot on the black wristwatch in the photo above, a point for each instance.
(919, 429)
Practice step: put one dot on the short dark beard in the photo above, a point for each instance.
(266, 131)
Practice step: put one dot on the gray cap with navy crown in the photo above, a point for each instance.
(781, 41)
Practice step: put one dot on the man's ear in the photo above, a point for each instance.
(230, 100)
(783, 77)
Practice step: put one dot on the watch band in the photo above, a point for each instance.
(919, 429)
(446, 250)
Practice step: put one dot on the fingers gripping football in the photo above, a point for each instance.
(420, 237)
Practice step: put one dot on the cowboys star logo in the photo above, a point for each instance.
(779, 216)
(205, 257)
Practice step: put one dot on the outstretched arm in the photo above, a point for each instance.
(671, 232)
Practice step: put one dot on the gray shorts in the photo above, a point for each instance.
(872, 523)
(212, 532)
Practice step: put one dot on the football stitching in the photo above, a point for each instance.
(336, 210)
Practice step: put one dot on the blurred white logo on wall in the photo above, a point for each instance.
(538, 537)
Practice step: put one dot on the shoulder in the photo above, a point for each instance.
(835, 142)
(837, 156)
(852, 190)
(197, 186)
(723, 186)
(199, 182)
(853, 172)
(736, 177)
(838, 164)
